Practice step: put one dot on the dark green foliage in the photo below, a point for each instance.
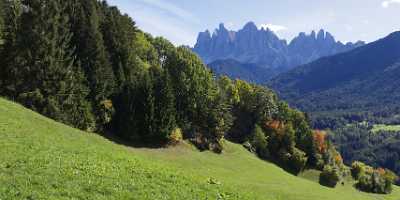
(93, 57)
(39, 56)
(120, 40)
(297, 161)
(13, 10)
(358, 142)
(260, 142)
(201, 111)
(2, 15)
(330, 176)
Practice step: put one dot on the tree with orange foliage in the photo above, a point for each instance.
(338, 159)
(320, 141)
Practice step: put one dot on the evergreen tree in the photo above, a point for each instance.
(135, 110)
(42, 54)
(2, 14)
(119, 34)
(11, 61)
(165, 114)
(93, 57)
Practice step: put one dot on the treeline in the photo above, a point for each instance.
(83, 63)
(378, 149)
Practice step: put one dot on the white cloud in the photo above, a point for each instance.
(171, 9)
(174, 30)
(273, 27)
(386, 4)
(161, 18)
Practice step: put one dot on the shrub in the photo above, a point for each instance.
(369, 180)
(330, 176)
(175, 137)
(375, 183)
(259, 141)
(357, 169)
(297, 160)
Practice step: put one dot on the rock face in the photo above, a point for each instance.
(307, 48)
(264, 48)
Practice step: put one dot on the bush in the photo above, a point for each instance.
(357, 169)
(259, 142)
(375, 183)
(330, 176)
(369, 180)
(297, 160)
(205, 143)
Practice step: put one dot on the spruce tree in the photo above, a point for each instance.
(1, 21)
(10, 61)
(93, 57)
(165, 115)
(40, 53)
(119, 40)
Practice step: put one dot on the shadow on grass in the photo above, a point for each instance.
(129, 143)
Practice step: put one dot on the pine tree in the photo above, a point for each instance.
(2, 14)
(165, 115)
(93, 57)
(135, 110)
(119, 40)
(10, 62)
(40, 54)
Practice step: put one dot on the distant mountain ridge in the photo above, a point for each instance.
(366, 78)
(264, 48)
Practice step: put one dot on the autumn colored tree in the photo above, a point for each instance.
(320, 141)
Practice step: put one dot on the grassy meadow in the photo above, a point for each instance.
(42, 159)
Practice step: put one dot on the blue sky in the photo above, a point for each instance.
(348, 20)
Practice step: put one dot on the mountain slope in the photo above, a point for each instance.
(249, 72)
(364, 78)
(42, 159)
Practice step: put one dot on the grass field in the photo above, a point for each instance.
(384, 127)
(42, 159)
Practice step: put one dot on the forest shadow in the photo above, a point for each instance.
(134, 144)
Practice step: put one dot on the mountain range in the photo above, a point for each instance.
(263, 48)
(355, 94)
(365, 79)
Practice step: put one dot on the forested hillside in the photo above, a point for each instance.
(352, 94)
(87, 65)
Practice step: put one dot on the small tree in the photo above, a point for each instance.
(259, 141)
(330, 176)
(357, 169)
(298, 160)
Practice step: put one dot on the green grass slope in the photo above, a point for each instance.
(42, 159)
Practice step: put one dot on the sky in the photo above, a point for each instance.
(180, 21)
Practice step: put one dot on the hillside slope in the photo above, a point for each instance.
(251, 73)
(42, 159)
(357, 80)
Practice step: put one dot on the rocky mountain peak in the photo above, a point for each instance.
(250, 26)
(265, 48)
